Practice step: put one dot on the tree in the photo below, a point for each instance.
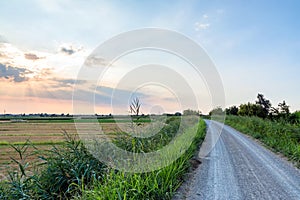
(244, 109)
(216, 111)
(233, 110)
(273, 113)
(135, 106)
(177, 114)
(265, 104)
(134, 109)
(284, 108)
(294, 118)
(283, 111)
(251, 109)
(191, 112)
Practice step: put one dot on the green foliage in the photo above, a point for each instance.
(233, 110)
(191, 112)
(264, 104)
(68, 168)
(281, 137)
(263, 108)
(250, 109)
(64, 172)
(284, 108)
(21, 181)
(163, 137)
(159, 184)
(216, 111)
(282, 113)
(4, 191)
(293, 118)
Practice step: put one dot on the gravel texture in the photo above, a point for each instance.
(239, 168)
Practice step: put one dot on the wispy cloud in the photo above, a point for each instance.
(201, 26)
(69, 49)
(67, 82)
(32, 56)
(96, 61)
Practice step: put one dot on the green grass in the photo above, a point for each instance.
(158, 184)
(69, 171)
(280, 137)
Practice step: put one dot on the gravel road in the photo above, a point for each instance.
(239, 168)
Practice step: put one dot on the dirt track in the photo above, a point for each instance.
(240, 168)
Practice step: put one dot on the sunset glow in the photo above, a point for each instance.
(43, 45)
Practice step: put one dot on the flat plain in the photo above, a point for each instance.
(42, 134)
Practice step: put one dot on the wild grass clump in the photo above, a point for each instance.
(153, 143)
(3, 190)
(158, 184)
(281, 137)
(65, 171)
(68, 169)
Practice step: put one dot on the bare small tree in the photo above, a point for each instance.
(134, 110)
(135, 106)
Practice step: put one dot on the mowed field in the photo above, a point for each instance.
(43, 135)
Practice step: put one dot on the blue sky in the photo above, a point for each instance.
(254, 45)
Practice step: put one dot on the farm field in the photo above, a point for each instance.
(43, 135)
(79, 173)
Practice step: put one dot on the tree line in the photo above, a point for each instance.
(262, 108)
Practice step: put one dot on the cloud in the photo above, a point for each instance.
(31, 56)
(61, 89)
(96, 61)
(205, 16)
(15, 73)
(201, 26)
(69, 49)
(68, 82)
(72, 81)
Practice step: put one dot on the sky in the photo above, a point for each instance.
(254, 45)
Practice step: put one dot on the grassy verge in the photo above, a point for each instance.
(159, 184)
(69, 171)
(280, 137)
